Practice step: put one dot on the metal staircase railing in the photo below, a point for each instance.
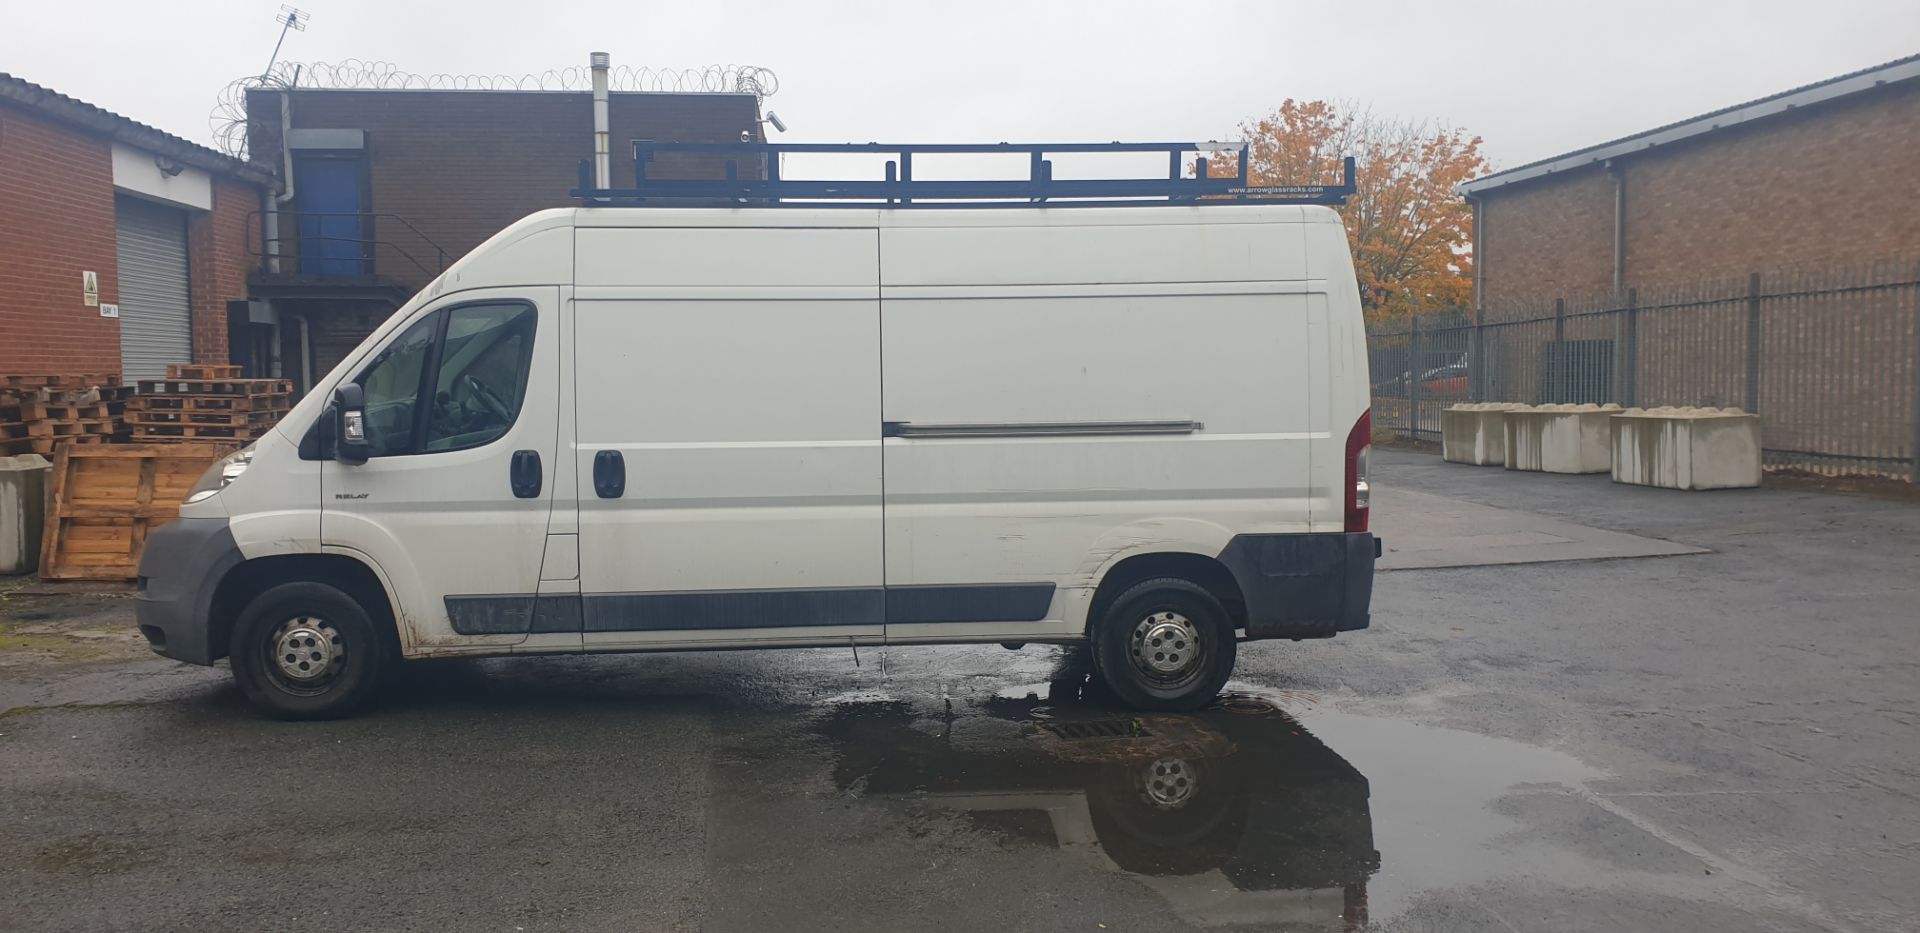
(344, 244)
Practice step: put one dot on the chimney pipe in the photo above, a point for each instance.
(602, 156)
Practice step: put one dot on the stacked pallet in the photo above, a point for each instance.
(199, 404)
(39, 412)
(104, 499)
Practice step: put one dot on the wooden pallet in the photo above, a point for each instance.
(40, 411)
(203, 403)
(148, 433)
(37, 410)
(203, 371)
(105, 499)
(67, 427)
(274, 403)
(45, 446)
(58, 380)
(232, 443)
(238, 419)
(16, 397)
(251, 388)
(61, 427)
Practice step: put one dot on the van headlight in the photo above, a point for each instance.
(224, 471)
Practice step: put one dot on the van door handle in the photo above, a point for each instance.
(609, 474)
(523, 473)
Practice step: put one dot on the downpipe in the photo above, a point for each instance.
(306, 357)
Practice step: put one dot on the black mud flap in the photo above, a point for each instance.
(1304, 586)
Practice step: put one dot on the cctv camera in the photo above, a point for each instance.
(774, 119)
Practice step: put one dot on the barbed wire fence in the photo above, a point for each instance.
(229, 117)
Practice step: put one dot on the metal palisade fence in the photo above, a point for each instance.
(1830, 360)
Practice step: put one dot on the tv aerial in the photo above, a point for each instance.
(289, 18)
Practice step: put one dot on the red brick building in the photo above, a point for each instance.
(389, 186)
(120, 245)
(350, 201)
(1819, 175)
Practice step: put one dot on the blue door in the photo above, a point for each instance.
(333, 240)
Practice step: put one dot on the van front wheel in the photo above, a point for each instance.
(306, 651)
(1165, 644)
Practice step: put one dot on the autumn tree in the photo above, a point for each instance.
(1411, 235)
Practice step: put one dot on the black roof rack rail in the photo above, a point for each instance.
(764, 186)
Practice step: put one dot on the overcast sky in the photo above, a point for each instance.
(1535, 79)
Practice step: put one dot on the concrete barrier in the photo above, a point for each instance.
(1476, 433)
(1686, 448)
(1559, 438)
(23, 508)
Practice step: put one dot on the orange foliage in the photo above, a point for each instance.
(1410, 233)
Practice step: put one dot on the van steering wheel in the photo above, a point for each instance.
(491, 401)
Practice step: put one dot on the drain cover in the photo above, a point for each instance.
(1097, 729)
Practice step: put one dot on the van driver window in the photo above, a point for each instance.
(477, 385)
(482, 375)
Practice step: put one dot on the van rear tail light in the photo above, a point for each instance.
(1359, 495)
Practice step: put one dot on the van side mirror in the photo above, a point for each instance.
(350, 424)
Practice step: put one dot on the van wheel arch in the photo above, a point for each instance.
(251, 578)
(1207, 572)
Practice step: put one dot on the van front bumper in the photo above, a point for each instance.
(1304, 586)
(180, 568)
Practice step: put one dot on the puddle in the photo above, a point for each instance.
(1260, 809)
(1233, 815)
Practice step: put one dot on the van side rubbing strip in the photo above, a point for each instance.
(556, 613)
(1037, 428)
(969, 602)
(514, 615)
(733, 609)
(741, 609)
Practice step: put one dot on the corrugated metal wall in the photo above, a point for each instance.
(156, 314)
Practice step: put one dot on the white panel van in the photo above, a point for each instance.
(1139, 429)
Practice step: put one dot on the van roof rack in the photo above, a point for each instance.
(901, 189)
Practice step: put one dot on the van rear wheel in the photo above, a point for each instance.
(1165, 644)
(307, 651)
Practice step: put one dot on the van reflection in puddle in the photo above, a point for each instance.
(1234, 815)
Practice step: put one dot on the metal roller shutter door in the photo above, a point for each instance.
(156, 315)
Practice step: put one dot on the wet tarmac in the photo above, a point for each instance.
(1510, 749)
(968, 788)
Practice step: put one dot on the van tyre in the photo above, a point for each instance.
(1164, 644)
(307, 651)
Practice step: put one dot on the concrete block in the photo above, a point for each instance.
(1560, 438)
(1476, 433)
(1686, 448)
(23, 507)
